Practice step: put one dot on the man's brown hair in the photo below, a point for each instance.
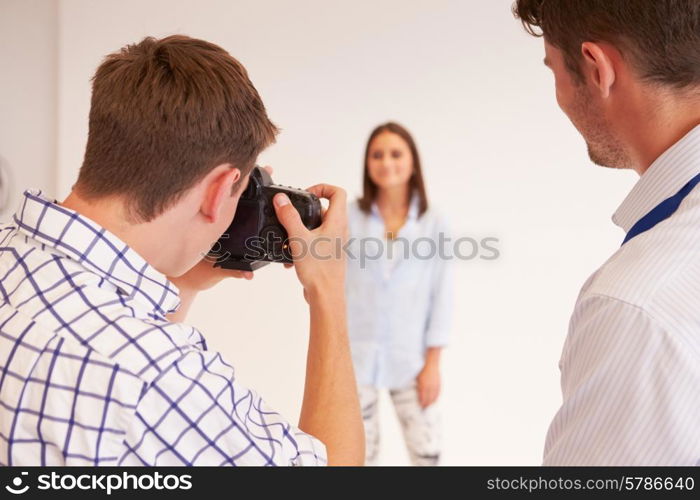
(660, 38)
(163, 114)
(416, 184)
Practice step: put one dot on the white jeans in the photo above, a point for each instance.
(421, 429)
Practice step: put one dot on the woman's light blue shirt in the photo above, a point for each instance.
(399, 294)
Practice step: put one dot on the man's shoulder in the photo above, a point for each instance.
(145, 346)
(654, 268)
(64, 298)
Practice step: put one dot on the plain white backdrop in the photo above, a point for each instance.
(499, 157)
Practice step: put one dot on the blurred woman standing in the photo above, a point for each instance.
(399, 294)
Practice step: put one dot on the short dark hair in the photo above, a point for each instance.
(660, 38)
(416, 184)
(163, 114)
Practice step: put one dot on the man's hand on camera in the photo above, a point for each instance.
(200, 277)
(330, 409)
(204, 276)
(318, 257)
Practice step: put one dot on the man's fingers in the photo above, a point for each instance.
(288, 216)
(336, 197)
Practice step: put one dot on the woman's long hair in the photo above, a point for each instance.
(416, 185)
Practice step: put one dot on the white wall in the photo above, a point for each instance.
(28, 65)
(499, 157)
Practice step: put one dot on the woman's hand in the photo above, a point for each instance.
(428, 380)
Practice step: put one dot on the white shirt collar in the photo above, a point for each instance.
(664, 178)
(412, 208)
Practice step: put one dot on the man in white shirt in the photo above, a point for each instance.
(628, 76)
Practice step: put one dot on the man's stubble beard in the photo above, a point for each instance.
(604, 148)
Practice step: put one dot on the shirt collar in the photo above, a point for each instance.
(664, 178)
(95, 248)
(412, 208)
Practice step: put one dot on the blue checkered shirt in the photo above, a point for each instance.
(92, 372)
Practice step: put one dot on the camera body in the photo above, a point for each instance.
(256, 237)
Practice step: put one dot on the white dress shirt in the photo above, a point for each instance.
(630, 368)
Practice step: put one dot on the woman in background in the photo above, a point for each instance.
(399, 294)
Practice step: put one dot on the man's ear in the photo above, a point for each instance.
(599, 66)
(218, 188)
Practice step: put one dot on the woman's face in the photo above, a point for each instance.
(389, 162)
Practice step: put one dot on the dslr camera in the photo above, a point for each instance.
(256, 237)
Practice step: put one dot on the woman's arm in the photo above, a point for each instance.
(439, 322)
(428, 379)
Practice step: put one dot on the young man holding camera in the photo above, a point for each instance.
(628, 76)
(96, 366)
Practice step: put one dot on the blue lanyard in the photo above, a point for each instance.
(662, 211)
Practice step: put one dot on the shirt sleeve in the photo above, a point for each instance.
(442, 292)
(195, 413)
(630, 391)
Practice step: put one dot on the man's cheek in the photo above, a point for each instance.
(563, 97)
(560, 100)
